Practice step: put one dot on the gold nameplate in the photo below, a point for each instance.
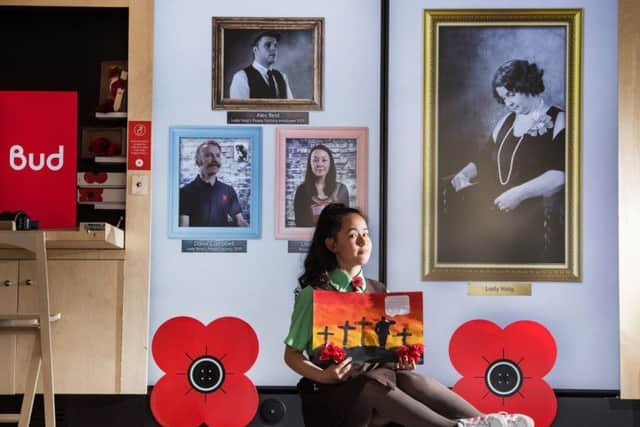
(498, 289)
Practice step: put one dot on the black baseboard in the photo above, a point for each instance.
(86, 410)
(280, 407)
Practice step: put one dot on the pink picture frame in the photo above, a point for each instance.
(297, 200)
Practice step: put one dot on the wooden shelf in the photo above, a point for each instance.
(109, 237)
(112, 115)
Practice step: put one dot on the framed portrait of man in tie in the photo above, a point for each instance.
(267, 63)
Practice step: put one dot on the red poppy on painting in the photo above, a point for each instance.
(204, 368)
(333, 352)
(412, 353)
(502, 369)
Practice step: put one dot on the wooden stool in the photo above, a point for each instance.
(38, 323)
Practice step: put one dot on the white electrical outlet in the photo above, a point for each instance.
(139, 184)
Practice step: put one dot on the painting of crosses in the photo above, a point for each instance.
(369, 327)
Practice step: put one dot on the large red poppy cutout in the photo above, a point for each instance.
(502, 369)
(204, 368)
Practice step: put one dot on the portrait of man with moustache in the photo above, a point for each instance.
(206, 201)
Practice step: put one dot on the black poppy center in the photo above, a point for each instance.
(504, 378)
(206, 374)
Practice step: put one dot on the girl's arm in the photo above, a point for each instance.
(335, 373)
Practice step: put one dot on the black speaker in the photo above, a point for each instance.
(272, 411)
(278, 410)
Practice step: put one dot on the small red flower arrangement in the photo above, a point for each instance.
(97, 177)
(332, 352)
(502, 369)
(411, 353)
(103, 147)
(90, 194)
(114, 150)
(99, 146)
(204, 367)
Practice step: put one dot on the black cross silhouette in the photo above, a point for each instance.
(362, 322)
(404, 334)
(326, 334)
(346, 328)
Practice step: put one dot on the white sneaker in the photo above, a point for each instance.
(517, 420)
(491, 420)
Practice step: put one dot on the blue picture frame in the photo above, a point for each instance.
(241, 170)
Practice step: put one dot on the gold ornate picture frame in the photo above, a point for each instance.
(502, 134)
(289, 54)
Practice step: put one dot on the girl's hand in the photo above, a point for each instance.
(337, 373)
(405, 365)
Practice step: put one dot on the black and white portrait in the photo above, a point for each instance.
(501, 145)
(264, 63)
(268, 64)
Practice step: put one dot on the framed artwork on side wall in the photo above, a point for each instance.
(267, 63)
(215, 182)
(502, 144)
(113, 87)
(315, 167)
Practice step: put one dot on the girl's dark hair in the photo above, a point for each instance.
(330, 180)
(320, 260)
(519, 76)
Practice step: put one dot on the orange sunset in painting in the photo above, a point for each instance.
(368, 326)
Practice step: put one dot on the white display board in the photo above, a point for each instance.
(256, 286)
(583, 317)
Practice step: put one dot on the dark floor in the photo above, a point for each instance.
(575, 409)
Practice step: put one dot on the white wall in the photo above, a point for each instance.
(583, 317)
(256, 286)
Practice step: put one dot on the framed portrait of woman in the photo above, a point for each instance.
(316, 167)
(502, 91)
(215, 182)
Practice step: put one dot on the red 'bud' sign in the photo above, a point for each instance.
(38, 156)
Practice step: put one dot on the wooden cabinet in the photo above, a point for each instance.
(87, 339)
(86, 287)
(100, 355)
(8, 304)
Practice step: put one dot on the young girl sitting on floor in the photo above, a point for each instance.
(346, 395)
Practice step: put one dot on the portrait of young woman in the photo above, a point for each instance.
(317, 167)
